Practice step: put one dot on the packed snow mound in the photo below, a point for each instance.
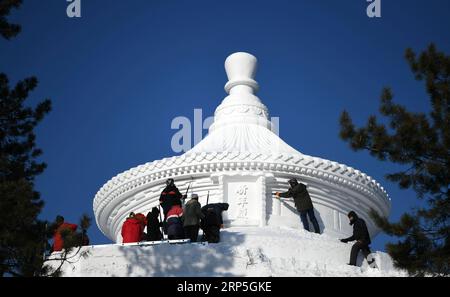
(243, 251)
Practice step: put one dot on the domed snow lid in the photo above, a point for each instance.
(241, 121)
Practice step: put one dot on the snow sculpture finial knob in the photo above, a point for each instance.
(241, 70)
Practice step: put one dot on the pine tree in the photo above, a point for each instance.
(420, 143)
(23, 237)
(8, 30)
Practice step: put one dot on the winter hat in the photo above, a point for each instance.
(155, 210)
(170, 182)
(353, 215)
(293, 182)
(59, 219)
(194, 196)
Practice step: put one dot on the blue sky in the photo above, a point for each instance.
(118, 75)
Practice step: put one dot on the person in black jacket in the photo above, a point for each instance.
(212, 226)
(213, 221)
(303, 203)
(362, 237)
(218, 209)
(170, 196)
(154, 225)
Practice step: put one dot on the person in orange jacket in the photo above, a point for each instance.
(133, 228)
(58, 241)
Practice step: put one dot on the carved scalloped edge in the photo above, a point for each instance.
(326, 170)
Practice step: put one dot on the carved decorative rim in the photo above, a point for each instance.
(191, 163)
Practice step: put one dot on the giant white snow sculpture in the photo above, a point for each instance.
(242, 161)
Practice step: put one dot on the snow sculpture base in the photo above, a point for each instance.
(243, 251)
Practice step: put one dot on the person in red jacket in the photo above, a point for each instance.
(133, 229)
(58, 241)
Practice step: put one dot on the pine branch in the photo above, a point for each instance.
(423, 143)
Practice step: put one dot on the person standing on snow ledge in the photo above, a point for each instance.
(175, 223)
(213, 221)
(133, 229)
(362, 237)
(192, 214)
(170, 196)
(154, 225)
(303, 203)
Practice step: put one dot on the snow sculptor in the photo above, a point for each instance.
(192, 214)
(303, 203)
(213, 221)
(362, 237)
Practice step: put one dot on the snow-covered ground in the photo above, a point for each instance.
(244, 251)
